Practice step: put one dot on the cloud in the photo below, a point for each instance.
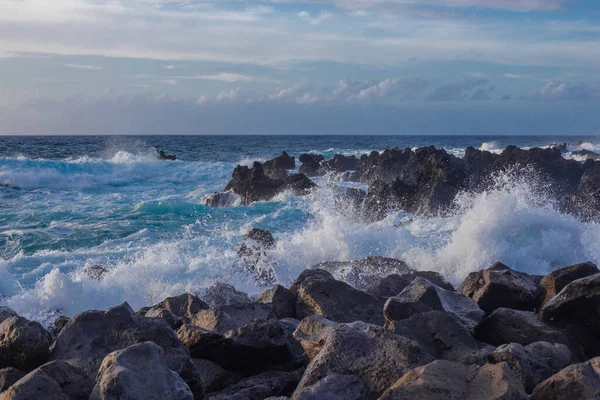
(322, 16)
(557, 90)
(459, 91)
(401, 89)
(226, 77)
(83, 66)
(514, 76)
(225, 96)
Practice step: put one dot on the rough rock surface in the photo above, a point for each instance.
(393, 285)
(262, 386)
(165, 315)
(213, 377)
(183, 306)
(422, 296)
(139, 372)
(312, 332)
(500, 286)
(334, 387)
(8, 376)
(221, 294)
(226, 318)
(576, 382)
(56, 380)
(7, 312)
(554, 282)
(282, 300)
(23, 344)
(58, 325)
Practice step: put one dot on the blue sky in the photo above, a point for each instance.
(286, 66)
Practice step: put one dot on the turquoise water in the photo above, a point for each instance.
(67, 203)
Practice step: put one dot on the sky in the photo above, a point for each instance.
(300, 67)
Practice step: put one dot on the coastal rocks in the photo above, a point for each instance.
(252, 184)
(96, 272)
(6, 313)
(254, 252)
(183, 306)
(262, 386)
(575, 382)
(23, 344)
(587, 197)
(8, 376)
(298, 184)
(500, 286)
(393, 285)
(226, 318)
(333, 387)
(512, 326)
(422, 296)
(124, 374)
(320, 294)
(221, 294)
(220, 199)
(554, 282)
(445, 380)
(372, 353)
(312, 332)
(278, 166)
(92, 335)
(282, 301)
(166, 157)
(58, 325)
(213, 377)
(341, 163)
(533, 363)
(56, 380)
(311, 164)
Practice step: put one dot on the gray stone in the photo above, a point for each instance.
(334, 387)
(183, 306)
(164, 314)
(8, 376)
(575, 382)
(259, 387)
(222, 294)
(213, 377)
(23, 344)
(58, 325)
(312, 332)
(226, 318)
(6, 313)
(282, 300)
(554, 282)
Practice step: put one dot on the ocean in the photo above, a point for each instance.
(68, 203)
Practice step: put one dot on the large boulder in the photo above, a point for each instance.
(56, 380)
(213, 377)
(298, 184)
(58, 325)
(183, 306)
(6, 313)
(372, 353)
(445, 380)
(422, 296)
(533, 363)
(252, 184)
(554, 282)
(575, 382)
(24, 344)
(262, 386)
(576, 307)
(512, 326)
(341, 163)
(282, 162)
(393, 285)
(443, 337)
(125, 374)
(312, 332)
(221, 294)
(225, 318)
(281, 299)
(336, 300)
(311, 164)
(500, 286)
(333, 387)
(8, 376)
(92, 335)
(587, 198)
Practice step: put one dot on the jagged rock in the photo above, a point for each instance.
(213, 377)
(442, 336)
(576, 307)
(393, 285)
(96, 272)
(333, 387)
(478, 165)
(500, 286)
(6, 313)
(588, 154)
(8, 376)
(23, 344)
(575, 382)
(554, 282)
(587, 197)
(262, 386)
(221, 294)
(226, 318)
(311, 164)
(166, 315)
(363, 273)
(309, 273)
(533, 363)
(252, 184)
(182, 307)
(56, 380)
(58, 325)
(512, 326)
(284, 161)
(92, 335)
(166, 157)
(299, 184)
(220, 199)
(312, 332)
(422, 296)
(281, 299)
(335, 300)
(445, 380)
(341, 163)
(124, 374)
(373, 353)
(254, 252)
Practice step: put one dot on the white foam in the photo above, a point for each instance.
(492, 147)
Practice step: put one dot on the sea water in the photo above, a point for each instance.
(68, 203)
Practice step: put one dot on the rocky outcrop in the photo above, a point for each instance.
(499, 286)
(277, 167)
(554, 282)
(55, 380)
(252, 184)
(124, 374)
(587, 196)
(220, 199)
(23, 344)
(422, 296)
(311, 164)
(59, 324)
(445, 380)
(393, 285)
(312, 332)
(575, 382)
(166, 157)
(254, 253)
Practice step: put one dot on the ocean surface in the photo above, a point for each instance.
(68, 203)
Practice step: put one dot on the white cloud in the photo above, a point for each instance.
(84, 66)
(227, 78)
(514, 76)
(322, 16)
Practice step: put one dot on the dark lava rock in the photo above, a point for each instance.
(166, 157)
(554, 282)
(23, 344)
(252, 184)
(334, 387)
(262, 386)
(225, 318)
(96, 272)
(394, 284)
(575, 382)
(282, 300)
(213, 377)
(8, 376)
(58, 325)
(298, 184)
(221, 294)
(311, 164)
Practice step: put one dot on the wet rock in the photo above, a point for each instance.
(499, 286)
(422, 296)
(53, 381)
(262, 386)
(443, 337)
(533, 363)
(576, 307)
(312, 332)
(587, 196)
(512, 326)
(333, 387)
(213, 377)
(166, 157)
(183, 306)
(309, 274)
(92, 335)
(254, 252)
(298, 184)
(311, 164)
(96, 272)
(554, 282)
(124, 374)
(479, 165)
(393, 285)
(341, 163)
(226, 318)
(221, 294)
(373, 353)
(363, 273)
(589, 155)
(220, 199)
(8, 376)
(23, 344)
(335, 300)
(575, 382)
(284, 161)
(6, 313)
(445, 380)
(282, 301)
(58, 325)
(252, 184)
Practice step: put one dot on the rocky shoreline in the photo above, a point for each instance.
(502, 334)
